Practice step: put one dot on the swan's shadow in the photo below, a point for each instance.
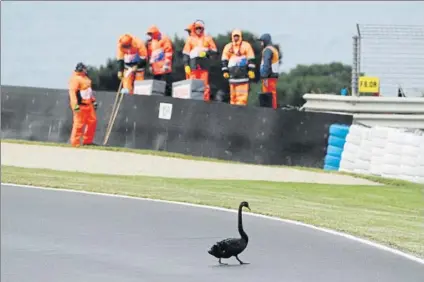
(229, 265)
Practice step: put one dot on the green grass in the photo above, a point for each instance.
(198, 158)
(388, 214)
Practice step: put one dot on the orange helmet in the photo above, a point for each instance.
(126, 40)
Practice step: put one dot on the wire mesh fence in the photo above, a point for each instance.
(394, 54)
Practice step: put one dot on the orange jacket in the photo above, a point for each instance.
(238, 58)
(136, 54)
(196, 44)
(160, 52)
(80, 92)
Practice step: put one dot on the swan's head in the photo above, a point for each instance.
(245, 204)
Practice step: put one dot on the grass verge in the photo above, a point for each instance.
(198, 158)
(389, 214)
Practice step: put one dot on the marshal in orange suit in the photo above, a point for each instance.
(269, 70)
(238, 66)
(196, 56)
(83, 105)
(131, 56)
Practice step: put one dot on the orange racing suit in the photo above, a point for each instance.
(160, 53)
(131, 56)
(238, 66)
(196, 54)
(83, 105)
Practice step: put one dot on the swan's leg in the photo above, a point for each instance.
(241, 261)
(222, 262)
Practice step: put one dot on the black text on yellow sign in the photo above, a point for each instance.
(369, 84)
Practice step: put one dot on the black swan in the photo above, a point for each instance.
(232, 246)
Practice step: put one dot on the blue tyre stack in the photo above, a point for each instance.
(336, 141)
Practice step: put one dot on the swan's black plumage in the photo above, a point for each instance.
(232, 246)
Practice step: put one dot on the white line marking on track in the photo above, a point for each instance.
(333, 232)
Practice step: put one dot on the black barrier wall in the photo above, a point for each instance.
(217, 130)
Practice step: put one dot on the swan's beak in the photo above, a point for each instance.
(249, 208)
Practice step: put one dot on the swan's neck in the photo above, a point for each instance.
(240, 225)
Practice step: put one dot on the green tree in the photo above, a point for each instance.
(316, 78)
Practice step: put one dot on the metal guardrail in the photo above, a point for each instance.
(400, 112)
(364, 104)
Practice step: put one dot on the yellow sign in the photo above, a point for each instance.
(368, 84)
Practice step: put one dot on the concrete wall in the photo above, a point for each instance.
(218, 130)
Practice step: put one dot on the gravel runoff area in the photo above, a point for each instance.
(122, 163)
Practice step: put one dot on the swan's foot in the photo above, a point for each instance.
(222, 262)
(241, 262)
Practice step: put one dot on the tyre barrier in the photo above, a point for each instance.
(381, 151)
(336, 142)
(396, 153)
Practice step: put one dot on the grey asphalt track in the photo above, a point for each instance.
(59, 236)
